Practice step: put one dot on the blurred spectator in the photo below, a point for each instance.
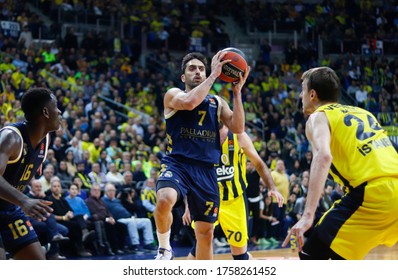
(96, 176)
(49, 231)
(109, 237)
(77, 204)
(63, 175)
(384, 116)
(326, 199)
(254, 197)
(273, 144)
(353, 88)
(76, 225)
(281, 180)
(268, 222)
(291, 215)
(61, 68)
(304, 184)
(148, 197)
(133, 224)
(95, 150)
(131, 200)
(113, 176)
(25, 37)
(371, 104)
(299, 206)
(361, 94)
(58, 148)
(337, 193)
(113, 150)
(70, 162)
(139, 174)
(81, 173)
(50, 159)
(22, 66)
(79, 183)
(76, 148)
(45, 179)
(70, 40)
(305, 162)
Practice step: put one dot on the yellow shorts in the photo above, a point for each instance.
(233, 220)
(367, 219)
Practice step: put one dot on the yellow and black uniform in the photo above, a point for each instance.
(149, 194)
(366, 163)
(85, 179)
(231, 176)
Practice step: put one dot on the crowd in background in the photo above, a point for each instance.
(101, 143)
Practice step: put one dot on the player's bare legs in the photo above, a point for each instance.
(165, 200)
(204, 239)
(33, 251)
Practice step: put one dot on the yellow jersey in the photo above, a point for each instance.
(360, 147)
(231, 172)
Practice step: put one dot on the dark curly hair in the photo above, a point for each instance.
(33, 101)
(190, 56)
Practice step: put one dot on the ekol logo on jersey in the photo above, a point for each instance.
(225, 171)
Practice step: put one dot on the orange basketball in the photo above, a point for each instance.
(230, 71)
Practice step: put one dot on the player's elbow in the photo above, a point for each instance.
(237, 131)
(237, 128)
(325, 159)
(189, 106)
(190, 103)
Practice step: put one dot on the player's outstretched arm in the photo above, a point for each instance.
(247, 145)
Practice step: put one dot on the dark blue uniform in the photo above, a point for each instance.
(194, 149)
(15, 228)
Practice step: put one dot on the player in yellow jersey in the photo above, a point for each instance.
(231, 177)
(349, 143)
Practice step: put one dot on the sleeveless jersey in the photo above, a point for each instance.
(194, 135)
(231, 172)
(360, 147)
(21, 170)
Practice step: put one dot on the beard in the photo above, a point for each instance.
(192, 85)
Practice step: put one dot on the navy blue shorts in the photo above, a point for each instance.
(16, 230)
(197, 182)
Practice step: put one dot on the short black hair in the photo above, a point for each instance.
(190, 56)
(33, 101)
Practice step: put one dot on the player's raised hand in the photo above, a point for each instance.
(237, 86)
(217, 63)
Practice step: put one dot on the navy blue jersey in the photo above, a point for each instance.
(21, 170)
(194, 135)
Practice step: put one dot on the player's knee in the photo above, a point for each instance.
(165, 201)
(203, 231)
